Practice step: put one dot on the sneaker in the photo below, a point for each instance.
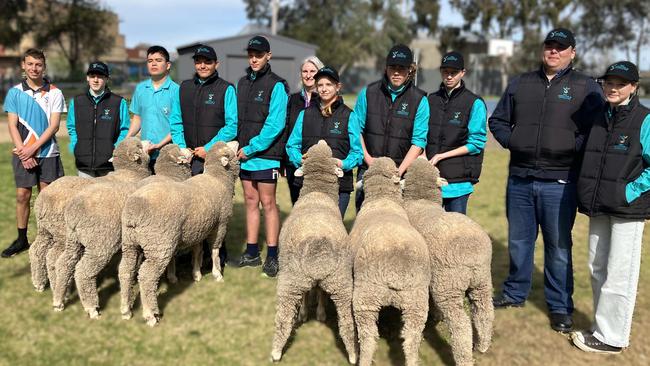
(271, 267)
(562, 323)
(504, 301)
(247, 260)
(15, 248)
(587, 342)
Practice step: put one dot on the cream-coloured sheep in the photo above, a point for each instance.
(161, 218)
(93, 220)
(391, 263)
(461, 253)
(50, 203)
(315, 251)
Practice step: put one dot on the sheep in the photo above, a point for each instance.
(50, 203)
(315, 251)
(93, 220)
(460, 252)
(161, 218)
(390, 262)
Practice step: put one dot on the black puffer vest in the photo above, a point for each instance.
(613, 158)
(448, 130)
(98, 128)
(389, 125)
(203, 109)
(544, 133)
(253, 103)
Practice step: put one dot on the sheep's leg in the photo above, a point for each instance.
(126, 274)
(321, 316)
(367, 329)
(482, 311)
(451, 305)
(64, 268)
(151, 269)
(340, 290)
(289, 296)
(304, 307)
(171, 271)
(414, 315)
(217, 242)
(38, 259)
(197, 260)
(51, 256)
(85, 276)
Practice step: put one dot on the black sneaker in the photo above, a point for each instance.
(271, 267)
(15, 248)
(587, 342)
(247, 260)
(561, 322)
(504, 301)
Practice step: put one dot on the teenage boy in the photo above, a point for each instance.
(34, 110)
(262, 98)
(97, 121)
(457, 124)
(155, 104)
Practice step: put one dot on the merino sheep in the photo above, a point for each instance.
(93, 220)
(391, 263)
(460, 252)
(50, 203)
(161, 218)
(315, 251)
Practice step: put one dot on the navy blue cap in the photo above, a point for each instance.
(205, 51)
(623, 69)
(97, 67)
(399, 55)
(453, 60)
(327, 71)
(562, 36)
(258, 43)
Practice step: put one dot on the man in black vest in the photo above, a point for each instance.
(97, 121)
(543, 118)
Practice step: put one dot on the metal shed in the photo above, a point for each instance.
(288, 54)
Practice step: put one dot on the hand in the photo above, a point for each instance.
(26, 152)
(369, 160)
(339, 163)
(200, 152)
(436, 158)
(29, 163)
(151, 148)
(242, 155)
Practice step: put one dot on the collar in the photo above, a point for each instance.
(388, 88)
(105, 93)
(558, 74)
(454, 93)
(252, 75)
(210, 79)
(165, 85)
(44, 88)
(624, 107)
(335, 105)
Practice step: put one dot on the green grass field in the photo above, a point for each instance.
(231, 323)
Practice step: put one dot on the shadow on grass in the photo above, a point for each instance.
(24, 270)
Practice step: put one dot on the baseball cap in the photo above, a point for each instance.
(623, 69)
(327, 71)
(97, 67)
(258, 43)
(453, 60)
(399, 55)
(205, 51)
(562, 36)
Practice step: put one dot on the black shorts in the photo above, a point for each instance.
(47, 171)
(260, 176)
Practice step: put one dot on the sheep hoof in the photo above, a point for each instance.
(126, 315)
(197, 276)
(39, 288)
(172, 279)
(276, 356)
(482, 348)
(152, 320)
(352, 359)
(217, 276)
(57, 307)
(92, 313)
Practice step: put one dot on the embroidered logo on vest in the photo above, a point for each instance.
(106, 116)
(336, 130)
(565, 94)
(456, 119)
(210, 100)
(622, 143)
(403, 110)
(259, 97)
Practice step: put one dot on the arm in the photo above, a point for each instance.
(641, 184)
(229, 131)
(358, 119)
(70, 124)
(419, 138)
(29, 162)
(177, 134)
(355, 156)
(593, 103)
(274, 124)
(500, 121)
(57, 107)
(294, 143)
(476, 136)
(124, 121)
(134, 128)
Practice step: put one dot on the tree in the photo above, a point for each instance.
(12, 22)
(77, 27)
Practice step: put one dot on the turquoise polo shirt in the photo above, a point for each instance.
(158, 109)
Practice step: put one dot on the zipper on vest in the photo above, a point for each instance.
(92, 159)
(197, 93)
(541, 124)
(600, 167)
(391, 104)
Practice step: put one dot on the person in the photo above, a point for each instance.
(613, 191)
(457, 133)
(34, 110)
(97, 121)
(327, 118)
(543, 118)
(155, 104)
(392, 115)
(297, 102)
(262, 111)
(209, 114)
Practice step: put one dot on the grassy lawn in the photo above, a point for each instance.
(231, 323)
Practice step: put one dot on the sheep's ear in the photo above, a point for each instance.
(299, 172)
(224, 161)
(441, 182)
(396, 179)
(185, 156)
(339, 172)
(322, 142)
(233, 145)
(111, 159)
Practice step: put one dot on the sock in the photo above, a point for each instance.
(272, 252)
(22, 235)
(252, 249)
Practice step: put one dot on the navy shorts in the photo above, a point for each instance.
(260, 176)
(47, 171)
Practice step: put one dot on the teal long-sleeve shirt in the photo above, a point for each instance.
(294, 144)
(641, 184)
(125, 121)
(476, 138)
(420, 124)
(273, 127)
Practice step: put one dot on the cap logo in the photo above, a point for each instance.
(398, 54)
(619, 67)
(254, 42)
(202, 49)
(558, 34)
(449, 58)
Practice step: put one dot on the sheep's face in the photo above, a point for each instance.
(174, 161)
(382, 173)
(222, 154)
(130, 152)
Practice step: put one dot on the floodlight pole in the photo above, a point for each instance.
(274, 17)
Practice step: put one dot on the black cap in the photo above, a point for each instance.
(453, 60)
(205, 51)
(623, 69)
(327, 71)
(399, 55)
(258, 43)
(562, 36)
(97, 67)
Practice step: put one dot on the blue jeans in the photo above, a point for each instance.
(456, 204)
(344, 200)
(359, 196)
(532, 204)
